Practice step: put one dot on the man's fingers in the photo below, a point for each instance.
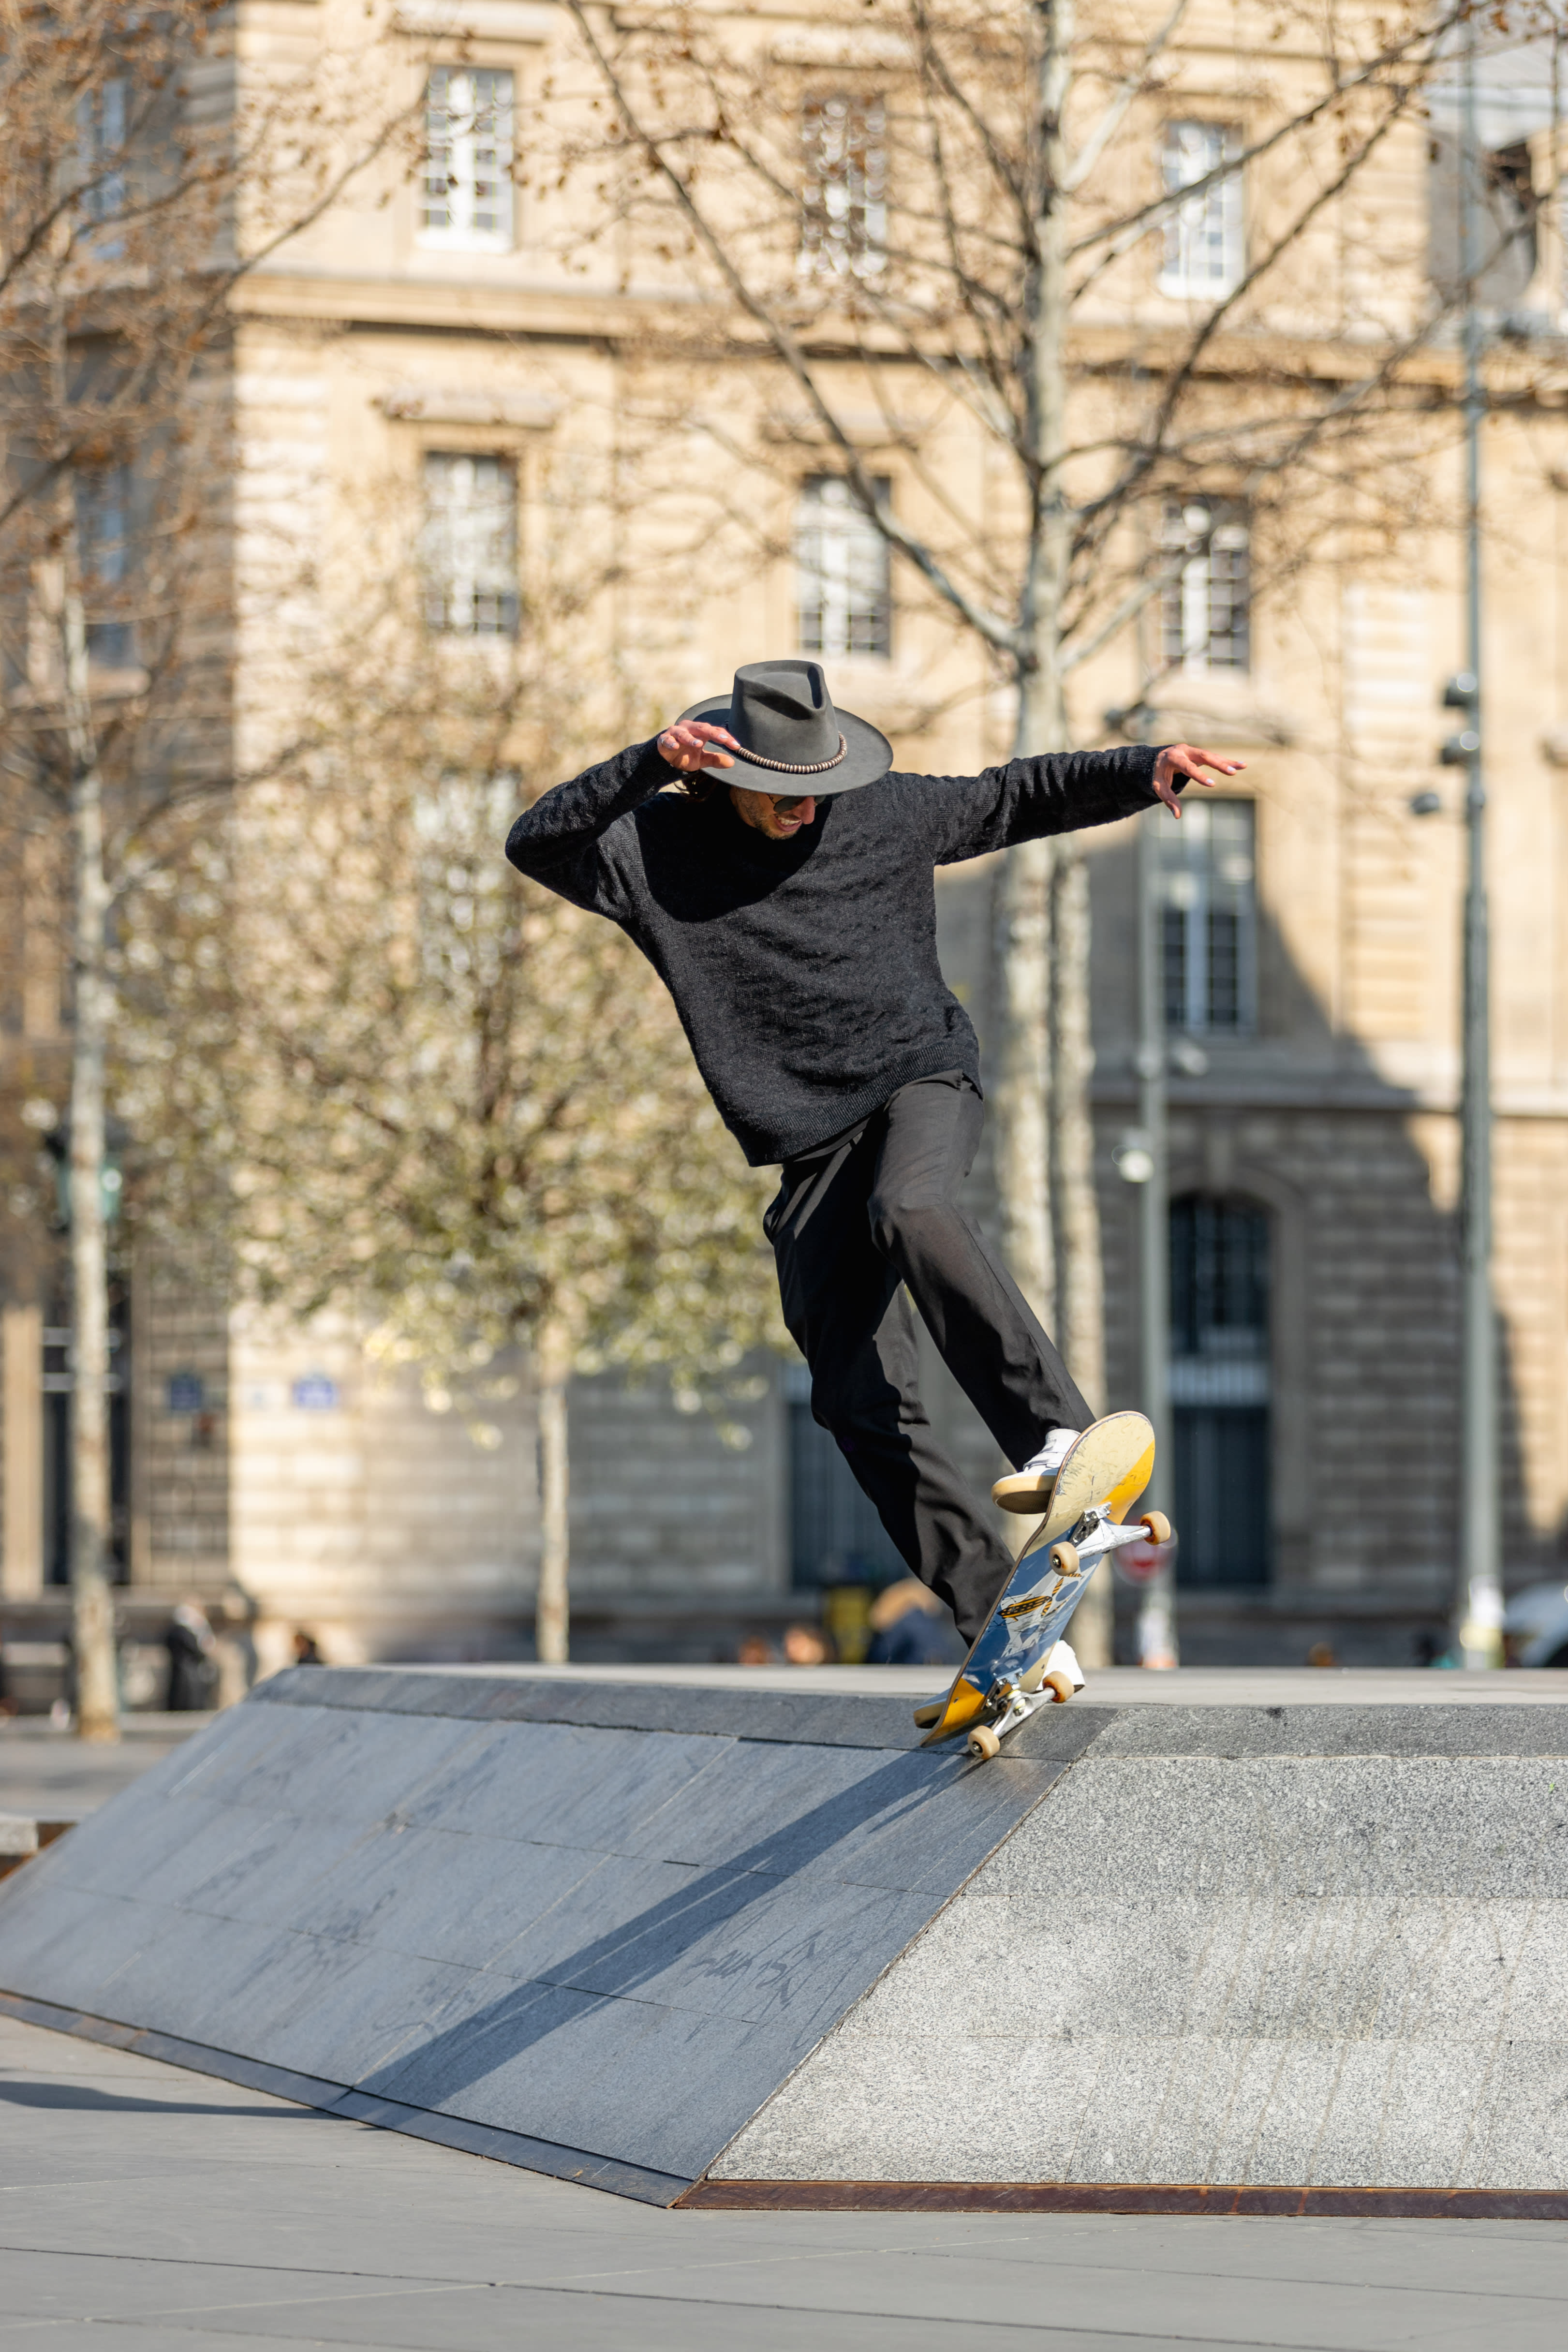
(692, 744)
(1188, 760)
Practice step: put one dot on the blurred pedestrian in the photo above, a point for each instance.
(910, 1627)
(807, 1645)
(193, 1662)
(235, 1656)
(307, 1649)
(754, 1652)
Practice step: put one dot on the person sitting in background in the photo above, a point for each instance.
(807, 1645)
(909, 1627)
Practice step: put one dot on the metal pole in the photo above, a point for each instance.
(1479, 1613)
(1157, 1612)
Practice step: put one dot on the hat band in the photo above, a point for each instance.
(794, 767)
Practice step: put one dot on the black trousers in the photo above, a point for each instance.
(854, 1228)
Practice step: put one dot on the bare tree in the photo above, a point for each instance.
(130, 204)
(413, 1087)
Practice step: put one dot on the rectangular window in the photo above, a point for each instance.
(465, 189)
(843, 592)
(1205, 241)
(844, 192)
(1208, 918)
(101, 143)
(103, 535)
(1205, 607)
(471, 544)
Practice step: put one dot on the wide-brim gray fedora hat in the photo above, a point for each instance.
(793, 740)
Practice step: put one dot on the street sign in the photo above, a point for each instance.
(1140, 1563)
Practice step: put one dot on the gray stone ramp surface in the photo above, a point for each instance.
(589, 1927)
(730, 1943)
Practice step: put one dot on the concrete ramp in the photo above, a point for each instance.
(734, 1945)
(588, 1926)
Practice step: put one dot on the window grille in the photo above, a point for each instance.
(843, 596)
(1205, 241)
(1208, 918)
(103, 532)
(471, 544)
(466, 191)
(100, 138)
(1206, 608)
(844, 194)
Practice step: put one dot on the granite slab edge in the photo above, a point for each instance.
(813, 1718)
(832, 1719)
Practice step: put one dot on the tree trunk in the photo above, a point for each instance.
(550, 1621)
(1021, 935)
(92, 1602)
(1020, 1084)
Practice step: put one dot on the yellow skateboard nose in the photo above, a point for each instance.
(964, 1702)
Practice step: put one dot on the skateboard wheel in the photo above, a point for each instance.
(1158, 1526)
(983, 1741)
(1060, 1682)
(1064, 1558)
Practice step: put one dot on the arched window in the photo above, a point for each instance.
(1220, 1387)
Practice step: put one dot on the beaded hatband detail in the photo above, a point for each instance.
(790, 767)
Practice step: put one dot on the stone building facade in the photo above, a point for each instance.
(446, 343)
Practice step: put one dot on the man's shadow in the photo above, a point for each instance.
(626, 1959)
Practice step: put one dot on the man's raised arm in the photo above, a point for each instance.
(1062, 792)
(559, 841)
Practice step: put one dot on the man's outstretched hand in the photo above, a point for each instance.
(1182, 759)
(692, 745)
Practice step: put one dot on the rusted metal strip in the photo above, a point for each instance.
(1133, 2197)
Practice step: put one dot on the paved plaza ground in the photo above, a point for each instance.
(187, 2216)
(191, 2216)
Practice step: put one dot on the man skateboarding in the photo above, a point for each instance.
(779, 874)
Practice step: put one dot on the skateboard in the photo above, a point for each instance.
(1019, 1661)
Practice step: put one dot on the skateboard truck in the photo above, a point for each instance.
(1054, 1678)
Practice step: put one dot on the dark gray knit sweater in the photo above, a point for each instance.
(805, 972)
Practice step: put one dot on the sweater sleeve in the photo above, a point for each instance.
(1062, 792)
(559, 840)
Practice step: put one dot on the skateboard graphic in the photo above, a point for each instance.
(1019, 1660)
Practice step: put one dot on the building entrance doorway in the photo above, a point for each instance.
(836, 1537)
(1220, 1387)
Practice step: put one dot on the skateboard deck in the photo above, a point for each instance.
(1011, 1668)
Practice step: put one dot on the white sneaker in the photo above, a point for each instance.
(1052, 1454)
(1028, 1489)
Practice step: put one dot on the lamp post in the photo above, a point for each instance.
(1478, 1600)
(1142, 1160)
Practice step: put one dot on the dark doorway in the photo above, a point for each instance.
(836, 1537)
(58, 1381)
(1220, 1387)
